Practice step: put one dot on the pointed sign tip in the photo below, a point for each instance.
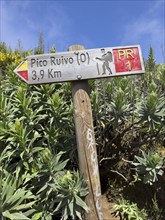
(24, 74)
(23, 65)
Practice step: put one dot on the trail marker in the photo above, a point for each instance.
(79, 65)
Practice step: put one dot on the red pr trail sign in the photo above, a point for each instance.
(127, 59)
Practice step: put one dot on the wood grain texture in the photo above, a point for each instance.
(86, 145)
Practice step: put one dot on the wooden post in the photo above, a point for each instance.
(86, 145)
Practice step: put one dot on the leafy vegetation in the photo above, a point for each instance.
(38, 157)
(37, 146)
(129, 211)
(149, 167)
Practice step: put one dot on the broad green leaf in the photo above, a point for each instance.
(81, 203)
(37, 216)
(15, 216)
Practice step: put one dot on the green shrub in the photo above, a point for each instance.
(129, 211)
(71, 188)
(149, 166)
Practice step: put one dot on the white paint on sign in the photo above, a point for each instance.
(79, 65)
(66, 67)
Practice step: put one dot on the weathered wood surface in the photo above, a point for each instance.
(86, 146)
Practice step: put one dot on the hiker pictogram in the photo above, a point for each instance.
(106, 59)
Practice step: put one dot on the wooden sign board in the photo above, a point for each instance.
(81, 65)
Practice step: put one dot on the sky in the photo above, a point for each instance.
(93, 24)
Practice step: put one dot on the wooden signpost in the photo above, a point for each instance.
(79, 65)
(86, 144)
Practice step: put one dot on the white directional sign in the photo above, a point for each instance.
(80, 65)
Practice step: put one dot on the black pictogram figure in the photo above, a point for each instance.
(106, 59)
